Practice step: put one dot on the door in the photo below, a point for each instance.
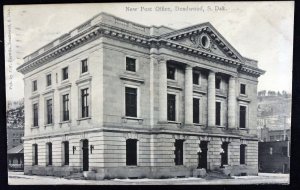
(202, 161)
(85, 155)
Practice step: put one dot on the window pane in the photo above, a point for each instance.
(243, 89)
(49, 153)
(171, 107)
(66, 153)
(171, 72)
(131, 152)
(242, 153)
(35, 115)
(66, 107)
(178, 152)
(49, 82)
(224, 154)
(196, 110)
(130, 64)
(49, 111)
(84, 103)
(131, 102)
(195, 78)
(84, 66)
(65, 73)
(218, 113)
(218, 82)
(242, 116)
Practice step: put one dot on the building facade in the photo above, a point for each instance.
(113, 98)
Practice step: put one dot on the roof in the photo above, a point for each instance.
(16, 150)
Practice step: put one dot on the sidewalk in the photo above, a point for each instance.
(18, 178)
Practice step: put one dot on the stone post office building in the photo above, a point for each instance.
(113, 98)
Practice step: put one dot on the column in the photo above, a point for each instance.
(162, 91)
(211, 99)
(188, 95)
(231, 103)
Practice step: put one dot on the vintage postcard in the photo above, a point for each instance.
(149, 93)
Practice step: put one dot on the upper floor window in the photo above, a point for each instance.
(178, 152)
(196, 78)
(49, 111)
(65, 73)
(196, 110)
(243, 117)
(131, 102)
(35, 115)
(171, 72)
(218, 113)
(130, 64)
(34, 85)
(242, 89)
(131, 152)
(218, 83)
(84, 66)
(48, 80)
(84, 103)
(65, 107)
(171, 107)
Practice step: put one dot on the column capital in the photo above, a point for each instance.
(188, 67)
(161, 58)
(212, 71)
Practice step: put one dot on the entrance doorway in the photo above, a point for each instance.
(85, 155)
(202, 155)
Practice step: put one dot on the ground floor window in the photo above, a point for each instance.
(49, 154)
(242, 154)
(35, 154)
(178, 152)
(224, 153)
(131, 152)
(66, 153)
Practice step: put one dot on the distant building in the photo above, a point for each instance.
(15, 158)
(268, 134)
(274, 157)
(113, 98)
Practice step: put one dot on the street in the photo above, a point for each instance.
(18, 178)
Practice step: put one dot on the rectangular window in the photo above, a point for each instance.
(49, 154)
(66, 152)
(35, 115)
(196, 110)
(35, 154)
(171, 72)
(271, 138)
(48, 80)
(218, 83)
(242, 117)
(84, 103)
(218, 113)
(130, 64)
(49, 111)
(224, 153)
(178, 152)
(131, 152)
(196, 78)
(242, 154)
(65, 73)
(243, 89)
(84, 66)
(34, 85)
(284, 151)
(131, 102)
(171, 107)
(65, 107)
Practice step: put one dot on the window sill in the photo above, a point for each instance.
(85, 78)
(221, 126)
(49, 125)
(34, 127)
(243, 95)
(67, 121)
(84, 118)
(125, 118)
(198, 124)
(65, 81)
(174, 122)
(48, 91)
(243, 129)
(84, 74)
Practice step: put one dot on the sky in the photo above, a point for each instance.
(258, 30)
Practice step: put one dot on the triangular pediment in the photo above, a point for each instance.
(206, 38)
